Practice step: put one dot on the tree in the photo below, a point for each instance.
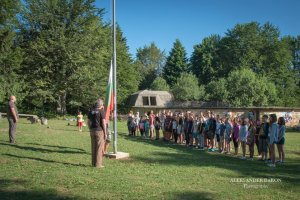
(205, 60)
(127, 75)
(63, 41)
(186, 88)
(150, 61)
(160, 84)
(176, 63)
(247, 89)
(217, 90)
(241, 47)
(11, 80)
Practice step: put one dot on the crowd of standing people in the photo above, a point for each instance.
(199, 130)
(208, 131)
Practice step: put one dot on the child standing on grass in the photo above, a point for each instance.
(218, 129)
(133, 127)
(222, 133)
(228, 135)
(195, 131)
(137, 121)
(157, 126)
(281, 139)
(174, 129)
(243, 136)
(235, 136)
(189, 142)
(180, 129)
(146, 125)
(251, 138)
(142, 126)
(80, 121)
(201, 133)
(263, 134)
(258, 126)
(272, 138)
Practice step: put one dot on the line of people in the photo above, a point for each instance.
(214, 133)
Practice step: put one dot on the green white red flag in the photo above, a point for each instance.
(109, 102)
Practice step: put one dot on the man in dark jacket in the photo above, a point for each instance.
(97, 128)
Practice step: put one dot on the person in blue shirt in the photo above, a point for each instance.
(272, 138)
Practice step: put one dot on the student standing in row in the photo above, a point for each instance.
(228, 135)
(157, 126)
(263, 134)
(235, 136)
(243, 136)
(251, 138)
(180, 131)
(281, 139)
(272, 138)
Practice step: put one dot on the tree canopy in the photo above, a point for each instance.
(176, 63)
(56, 55)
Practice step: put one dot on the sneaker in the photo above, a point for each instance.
(201, 148)
(243, 158)
(251, 159)
(271, 165)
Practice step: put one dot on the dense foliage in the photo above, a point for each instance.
(55, 57)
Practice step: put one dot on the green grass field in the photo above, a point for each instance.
(54, 163)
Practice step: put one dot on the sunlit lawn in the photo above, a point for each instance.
(54, 163)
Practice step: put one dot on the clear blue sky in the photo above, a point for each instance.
(162, 21)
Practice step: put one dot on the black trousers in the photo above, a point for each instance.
(175, 135)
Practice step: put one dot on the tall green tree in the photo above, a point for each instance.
(63, 41)
(205, 62)
(176, 63)
(160, 84)
(150, 60)
(11, 79)
(187, 88)
(217, 90)
(248, 89)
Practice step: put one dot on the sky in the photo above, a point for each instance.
(164, 21)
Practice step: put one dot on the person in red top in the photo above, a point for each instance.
(151, 123)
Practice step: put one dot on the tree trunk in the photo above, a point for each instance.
(62, 109)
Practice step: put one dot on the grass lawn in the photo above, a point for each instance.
(54, 163)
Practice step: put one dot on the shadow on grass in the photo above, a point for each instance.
(190, 195)
(43, 150)
(12, 194)
(44, 160)
(187, 156)
(56, 146)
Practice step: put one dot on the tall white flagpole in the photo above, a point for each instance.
(114, 77)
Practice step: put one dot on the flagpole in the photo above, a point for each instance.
(114, 77)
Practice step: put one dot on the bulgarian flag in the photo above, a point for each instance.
(109, 103)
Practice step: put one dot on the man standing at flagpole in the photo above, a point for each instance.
(97, 126)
